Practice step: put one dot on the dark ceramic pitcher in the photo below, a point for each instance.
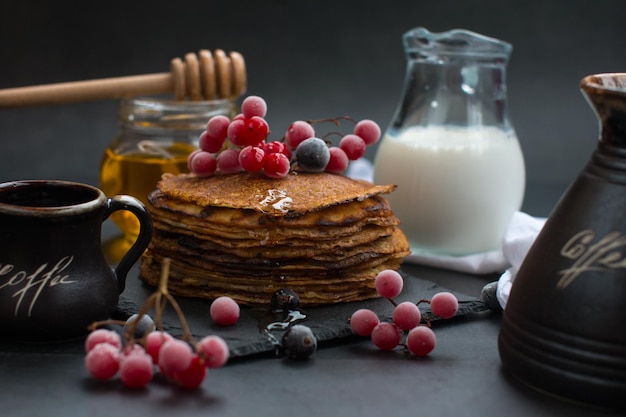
(564, 326)
(54, 279)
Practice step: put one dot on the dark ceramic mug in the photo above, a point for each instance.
(54, 279)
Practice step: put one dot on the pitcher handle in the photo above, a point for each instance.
(126, 202)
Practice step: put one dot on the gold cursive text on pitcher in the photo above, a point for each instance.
(603, 255)
(30, 286)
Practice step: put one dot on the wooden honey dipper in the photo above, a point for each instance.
(205, 76)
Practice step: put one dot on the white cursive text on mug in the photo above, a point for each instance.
(31, 286)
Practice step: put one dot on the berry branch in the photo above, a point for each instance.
(183, 361)
(241, 144)
(406, 318)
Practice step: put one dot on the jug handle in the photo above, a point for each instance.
(126, 202)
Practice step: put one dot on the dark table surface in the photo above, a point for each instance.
(349, 377)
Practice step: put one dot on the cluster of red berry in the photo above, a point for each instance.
(231, 146)
(135, 362)
(146, 348)
(406, 317)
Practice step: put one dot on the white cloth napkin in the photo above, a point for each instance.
(517, 241)
(518, 237)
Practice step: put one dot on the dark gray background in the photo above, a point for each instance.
(308, 59)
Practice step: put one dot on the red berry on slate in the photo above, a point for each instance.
(224, 311)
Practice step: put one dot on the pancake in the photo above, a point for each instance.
(297, 193)
(338, 214)
(285, 258)
(245, 235)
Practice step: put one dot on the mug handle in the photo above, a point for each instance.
(126, 202)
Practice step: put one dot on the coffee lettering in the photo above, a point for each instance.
(29, 287)
(604, 255)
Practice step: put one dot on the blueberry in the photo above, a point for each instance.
(312, 155)
(489, 297)
(142, 327)
(299, 342)
(285, 300)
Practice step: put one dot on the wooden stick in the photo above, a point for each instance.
(206, 77)
(77, 91)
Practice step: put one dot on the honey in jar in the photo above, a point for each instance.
(155, 136)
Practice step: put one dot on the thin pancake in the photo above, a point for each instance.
(297, 193)
(337, 215)
(284, 258)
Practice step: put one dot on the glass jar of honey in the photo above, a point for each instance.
(155, 136)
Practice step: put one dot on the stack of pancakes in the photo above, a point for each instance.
(246, 236)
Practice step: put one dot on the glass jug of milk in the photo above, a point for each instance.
(451, 148)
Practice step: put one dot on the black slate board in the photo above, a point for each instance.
(245, 338)
(328, 323)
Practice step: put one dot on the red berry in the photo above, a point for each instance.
(217, 127)
(249, 131)
(353, 146)
(252, 158)
(277, 147)
(338, 161)
(209, 143)
(102, 336)
(228, 161)
(102, 361)
(154, 341)
(253, 106)
(224, 311)
(202, 163)
(363, 321)
(192, 376)
(277, 165)
(175, 356)
(386, 336)
(257, 130)
(237, 132)
(368, 130)
(190, 157)
(389, 283)
(136, 368)
(421, 340)
(214, 350)
(297, 132)
(406, 315)
(444, 304)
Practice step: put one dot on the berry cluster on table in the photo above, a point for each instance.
(406, 318)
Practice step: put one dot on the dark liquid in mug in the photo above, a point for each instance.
(46, 195)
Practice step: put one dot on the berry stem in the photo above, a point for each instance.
(165, 273)
(324, 138)
(97, 324)
(335, 120)
(393, 302)
(187, 336)
(163, 297)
